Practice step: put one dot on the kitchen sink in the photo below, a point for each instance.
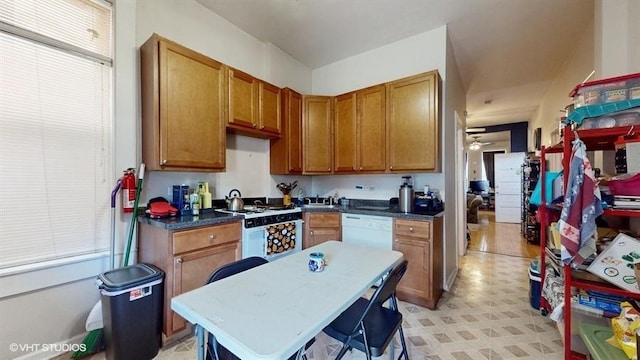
(318, 206)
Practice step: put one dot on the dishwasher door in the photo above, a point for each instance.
(367, 230)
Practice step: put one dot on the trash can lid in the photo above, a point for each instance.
(129, 276)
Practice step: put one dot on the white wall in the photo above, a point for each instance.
(453, 102)
(573, 72)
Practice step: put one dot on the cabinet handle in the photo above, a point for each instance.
(255, 125)
(310, 232)
(164, 162)
(360, 167)
(411, 229)
(179, 260)
(212, 237)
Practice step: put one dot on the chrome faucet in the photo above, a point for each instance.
(307, 199)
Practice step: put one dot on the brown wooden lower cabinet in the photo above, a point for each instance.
(421, 244)
(187, 257)
(320, 227)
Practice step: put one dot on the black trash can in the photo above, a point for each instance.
(132, 299)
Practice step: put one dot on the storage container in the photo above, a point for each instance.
(629, 185)
(534, 284)
(626, 87)
(132, 299)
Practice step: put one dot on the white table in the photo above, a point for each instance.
(271, 311)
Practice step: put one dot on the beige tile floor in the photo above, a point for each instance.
(487, 315)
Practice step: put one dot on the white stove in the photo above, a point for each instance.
(270, 233)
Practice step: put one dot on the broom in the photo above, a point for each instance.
(93, 342)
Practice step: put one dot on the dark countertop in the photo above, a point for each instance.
(214, 218)
(188, 221)
(382, 211)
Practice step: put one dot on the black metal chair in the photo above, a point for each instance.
(368, 325)
(213, 348)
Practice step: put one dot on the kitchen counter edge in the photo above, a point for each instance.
(388, 213)
(188, 222)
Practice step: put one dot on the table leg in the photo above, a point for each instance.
(200, 336)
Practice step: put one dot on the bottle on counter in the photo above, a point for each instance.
(195, 204)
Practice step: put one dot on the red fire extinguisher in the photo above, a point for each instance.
(128, 190)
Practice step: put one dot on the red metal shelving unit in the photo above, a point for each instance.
(594, 139)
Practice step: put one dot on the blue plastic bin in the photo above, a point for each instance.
(534, 284)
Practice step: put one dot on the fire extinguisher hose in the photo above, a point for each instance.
(134, 216)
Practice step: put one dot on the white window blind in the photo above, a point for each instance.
(55, 129)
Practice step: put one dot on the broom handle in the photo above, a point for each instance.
(112, 244)
(134, 216)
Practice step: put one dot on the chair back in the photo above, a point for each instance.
(214, 350)
(389, 284)
(386, 290)
(235, 268)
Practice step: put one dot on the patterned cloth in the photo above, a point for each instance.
(582, 205)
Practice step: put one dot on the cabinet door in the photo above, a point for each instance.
(183, 108)
(318, 136)
(269, 108)
(319, 235)
(415, 283)
(286, 152)
(243, 96)
(372, 132)
(345, 133)
(321, 227)
(414, 130)
(191, 271)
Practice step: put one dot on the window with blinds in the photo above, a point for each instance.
(55, 129)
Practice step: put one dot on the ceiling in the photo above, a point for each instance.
(508, 51)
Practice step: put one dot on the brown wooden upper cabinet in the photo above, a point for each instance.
(183, 102)
(317, 128)
(413, 138)
(286, 152)
(345, 133)
(269, 119)
(360, 131)
(254, 106)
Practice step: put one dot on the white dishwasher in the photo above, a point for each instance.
(367, 230)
